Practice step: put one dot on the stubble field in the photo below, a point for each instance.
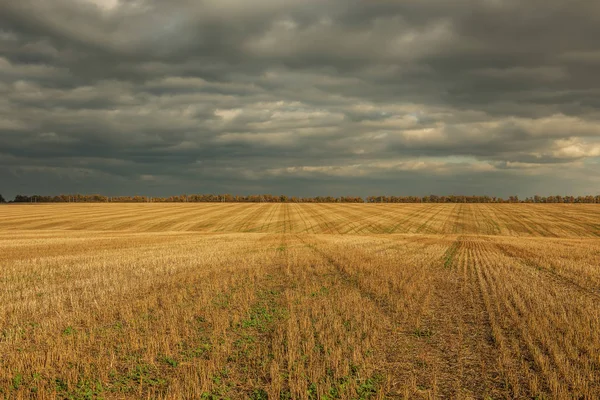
(299, 301)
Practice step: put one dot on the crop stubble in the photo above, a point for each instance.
(299, 301)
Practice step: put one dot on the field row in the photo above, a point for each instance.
(549, 220)
(287, 316)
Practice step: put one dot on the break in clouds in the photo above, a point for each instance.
(308, 97)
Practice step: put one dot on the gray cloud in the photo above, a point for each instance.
(342, 97)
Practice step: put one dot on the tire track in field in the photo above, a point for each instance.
(568, 220)
(385, 311)
(404, 343)
(379, 218)
(496, 220)
(64, 222)
(302, 216)
(509, 348)
(347, 277)
(281, 225)
(510, 220)
(244, 222)
(351, 221)
(556, 359)
(492, 226)
(365, 220)
(474, 225)
(525, 214)
(531, 358)
(269, 218)
(452, 221)
(425, 225)
(516, 309)
(564, 358)
(422, 210)
(554, 222)
(174, 215)
(136, 213)
(40, 215)
(501, 221)
(206, 221)
(322, 221)
(526, 257)
(456, 330)
(288, 222)
(234, 221)
(339, 260)
(181, 217)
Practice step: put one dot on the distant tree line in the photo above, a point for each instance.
(483, 199)
(183, 198)
(268, 198)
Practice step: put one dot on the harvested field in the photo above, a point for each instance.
(545, 220)
(299, 301)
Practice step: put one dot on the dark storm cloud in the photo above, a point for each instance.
(489, 96)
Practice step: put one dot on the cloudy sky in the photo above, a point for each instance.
(303, 97)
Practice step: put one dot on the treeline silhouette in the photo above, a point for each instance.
(183, 198)
(483, 199)
(268, 198)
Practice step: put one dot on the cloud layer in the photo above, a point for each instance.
(301, 97)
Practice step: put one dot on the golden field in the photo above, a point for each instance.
(299, 301)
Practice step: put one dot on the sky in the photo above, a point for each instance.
(300, 97)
